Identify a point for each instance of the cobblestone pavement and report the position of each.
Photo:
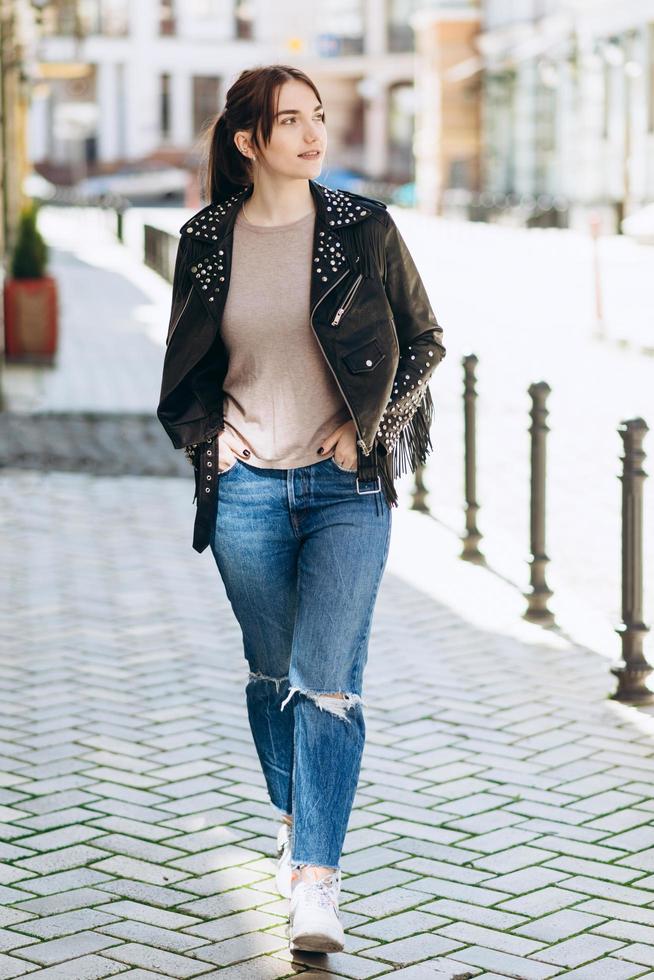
(503, 822)
(89, 442)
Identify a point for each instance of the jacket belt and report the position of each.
(368, 480)
(206, 492)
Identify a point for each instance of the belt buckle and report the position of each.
(376, 490)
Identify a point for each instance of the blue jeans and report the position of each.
(301, 555)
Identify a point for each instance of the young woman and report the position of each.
(300, 345)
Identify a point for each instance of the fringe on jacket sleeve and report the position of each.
(404, 428)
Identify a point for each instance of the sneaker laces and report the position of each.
(321, 893)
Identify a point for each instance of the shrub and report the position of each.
(30, 254)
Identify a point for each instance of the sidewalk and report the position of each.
(503, 822)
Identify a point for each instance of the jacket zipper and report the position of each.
(181, 312)
(347, 301)
(360, 441)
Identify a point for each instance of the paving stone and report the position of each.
(493, 918)
(559, 925)
(543, 900)
(66, 948)
(174, 942)
(578, 950)
(404, 952)
(170, 964)
(440, 869)
(507, 965)
(612, 969)
(239, 948)
(385, 903)
(637, 953)
(146, 913)
(11, 967)
(608, 890)
(139, 891)
(61, 860)
(263, 968)
(475, 894)
(65, 924)
(10, 940)
(85, 968)
(141, 974)
(343, 964)
(466, 932)
(399, 926)
(63, 881)
(440, 968)
(235, 924)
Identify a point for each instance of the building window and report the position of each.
(401, 125)
(81, 18)
(164, 107)
(341, 28)
(244, 20)
(166, 17)
(204, 9)
(60, 19)
(399, 30)
(206, 92)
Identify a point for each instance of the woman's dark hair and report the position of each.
(251, 103)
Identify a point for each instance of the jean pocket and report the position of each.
(229, 468)
(342, 469)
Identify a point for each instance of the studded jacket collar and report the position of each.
(369, 312)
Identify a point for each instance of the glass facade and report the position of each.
(81, 18)
(342, 28)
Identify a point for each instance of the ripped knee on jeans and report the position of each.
(336, 703)
(258, 676)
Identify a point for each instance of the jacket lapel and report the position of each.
(211, 229)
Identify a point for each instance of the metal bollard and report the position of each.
(419, 493)
(537, 610)
(634, 669)
(472, 536)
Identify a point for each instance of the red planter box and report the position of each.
(30, 307)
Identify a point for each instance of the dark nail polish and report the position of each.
(321, 450)
(246, 452)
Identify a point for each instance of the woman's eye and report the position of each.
(292, 119)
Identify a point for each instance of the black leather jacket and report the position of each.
(370, 314)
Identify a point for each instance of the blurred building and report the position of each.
(16, 40)
(568, 101)
(127, 81)
(448, 140)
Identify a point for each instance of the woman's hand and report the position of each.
(229, 451)
(344, 441)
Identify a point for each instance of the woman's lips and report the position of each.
(310, 154)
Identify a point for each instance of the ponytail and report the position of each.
(227, 170)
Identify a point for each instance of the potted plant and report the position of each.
(30, 296)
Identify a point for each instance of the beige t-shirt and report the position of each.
(281, 398)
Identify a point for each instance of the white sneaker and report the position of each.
(314, 922)
(283, 876)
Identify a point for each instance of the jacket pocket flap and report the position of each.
(365, 358)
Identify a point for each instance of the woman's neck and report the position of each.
(278, 203)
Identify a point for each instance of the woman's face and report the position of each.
(298, 128)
